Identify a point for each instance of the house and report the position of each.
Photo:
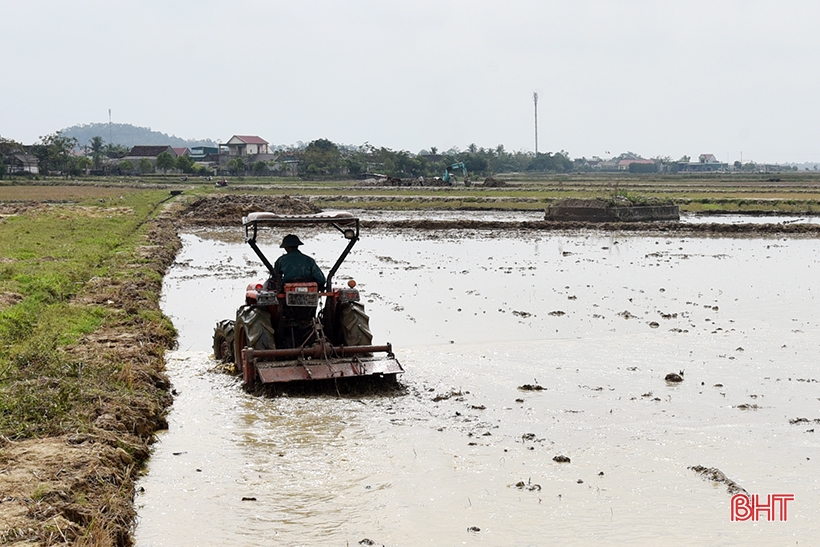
(623, 165)
(23, 163)
(245, 145)
(204, 153)
(182, 151)
(706, 163)
(150, 152)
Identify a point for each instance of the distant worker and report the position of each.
(295, 266)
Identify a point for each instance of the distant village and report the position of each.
(244, 155)
(252, 151)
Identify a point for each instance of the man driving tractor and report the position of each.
(282, 332)
(296, 266)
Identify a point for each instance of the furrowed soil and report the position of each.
(76, 486)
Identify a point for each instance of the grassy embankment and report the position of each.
(81, 345)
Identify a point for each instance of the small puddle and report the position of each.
(466, 457)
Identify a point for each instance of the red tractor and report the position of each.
(282, 334)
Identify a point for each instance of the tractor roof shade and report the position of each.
(274, 219)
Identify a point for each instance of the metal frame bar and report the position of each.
(339, 224)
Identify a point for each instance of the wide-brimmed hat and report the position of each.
(290, 240)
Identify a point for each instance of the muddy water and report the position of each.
(597, 320)
(538, 215)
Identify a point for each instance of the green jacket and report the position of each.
(295, 266)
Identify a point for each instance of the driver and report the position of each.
(295, 266)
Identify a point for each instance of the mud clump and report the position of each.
(674, 378)
(796, 421)
(449, 395)
(561, 459)
(228, 209)
(747, 406)
(8, 299)
(521, 485)
(716, 475)
(490, 182)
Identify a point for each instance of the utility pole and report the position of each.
(535, 103)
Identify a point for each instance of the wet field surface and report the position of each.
(534, 216)
(463, 455)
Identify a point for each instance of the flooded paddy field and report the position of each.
(535, 216)
(466, 453)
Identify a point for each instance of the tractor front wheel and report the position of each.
(224, 341)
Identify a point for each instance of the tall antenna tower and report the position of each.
(535, 103)
(110, 138)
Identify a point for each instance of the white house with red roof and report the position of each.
(246, 145)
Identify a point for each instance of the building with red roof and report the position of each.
(246, 145)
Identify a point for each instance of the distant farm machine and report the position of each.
(447, 177)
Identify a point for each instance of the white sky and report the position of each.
(654, 77)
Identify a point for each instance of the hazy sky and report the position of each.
(650, 76)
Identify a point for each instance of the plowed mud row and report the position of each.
(227, 210)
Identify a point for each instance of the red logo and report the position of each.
(774, 507)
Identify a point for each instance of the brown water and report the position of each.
(597, 320)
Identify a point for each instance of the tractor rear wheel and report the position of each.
(355, 324)
(253, 329)
(223, 341)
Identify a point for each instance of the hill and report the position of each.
(128, 135)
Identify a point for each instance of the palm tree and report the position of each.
(97, 147)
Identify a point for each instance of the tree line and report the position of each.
(321, 158)
(318, 159)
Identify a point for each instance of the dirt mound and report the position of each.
(490, 182)
(384, 180)
(9, 299)
(69, 503)
(8, 209)
(228, 209)
(716, 475)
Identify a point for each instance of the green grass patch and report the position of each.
(49, 256)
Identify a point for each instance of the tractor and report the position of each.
(284, 333)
